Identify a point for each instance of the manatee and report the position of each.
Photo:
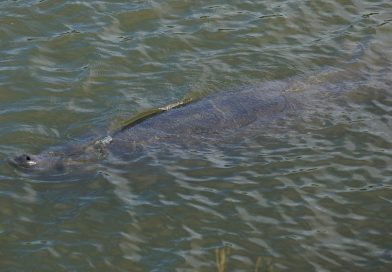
(204, 119)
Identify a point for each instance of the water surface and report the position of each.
(309, 192)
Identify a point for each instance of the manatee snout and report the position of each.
(25, 161)
(45, 161)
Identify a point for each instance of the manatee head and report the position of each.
(65, 158)
(41, 162)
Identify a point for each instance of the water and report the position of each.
(310, 192)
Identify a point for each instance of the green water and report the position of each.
(310, 192)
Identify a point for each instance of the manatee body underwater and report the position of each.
(202, 120)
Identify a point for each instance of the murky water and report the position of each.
(310, 191)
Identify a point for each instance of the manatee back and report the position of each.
(214, 114)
